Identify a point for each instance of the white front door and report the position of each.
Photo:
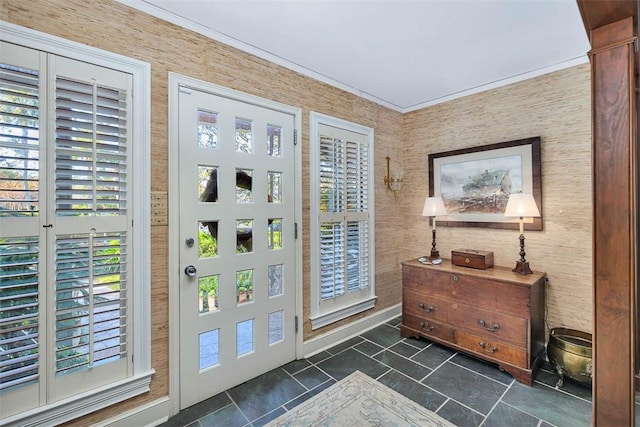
(237, 237)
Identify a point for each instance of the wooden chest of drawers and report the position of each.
(494, 314)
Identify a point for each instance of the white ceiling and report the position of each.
(399, 53)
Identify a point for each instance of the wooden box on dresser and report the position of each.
(494, 314)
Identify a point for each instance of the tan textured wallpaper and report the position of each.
(556, 107)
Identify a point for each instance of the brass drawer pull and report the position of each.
(428, 308)
(455, 277)
(426, 325)
(487, 346)
(492, 328)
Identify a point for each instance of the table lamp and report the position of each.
(434, 206)
(522, 205)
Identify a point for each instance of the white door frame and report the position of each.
(175, 82)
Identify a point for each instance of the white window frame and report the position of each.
(139, 382)
(321, 317)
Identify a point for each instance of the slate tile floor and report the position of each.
(461, 389)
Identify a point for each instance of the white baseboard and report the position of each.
(147, 415)
(343, 333)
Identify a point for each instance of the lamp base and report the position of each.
(522, 267)
(435, 254)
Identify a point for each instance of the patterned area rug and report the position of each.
(359, 400)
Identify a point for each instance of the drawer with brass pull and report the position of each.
(424, 306)
(491, 347)
(477, 320)
(428, 328)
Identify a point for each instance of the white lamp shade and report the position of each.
(522, 205)
(433, 206)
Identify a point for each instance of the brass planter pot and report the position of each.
(569, 352)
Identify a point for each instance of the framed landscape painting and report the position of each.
(475, 183)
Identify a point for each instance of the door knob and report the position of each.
(190, 270)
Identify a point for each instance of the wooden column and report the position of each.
(612, 61)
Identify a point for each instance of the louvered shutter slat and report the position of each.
(91, 155)
(90, 316)
(19, 141)
(19, 303)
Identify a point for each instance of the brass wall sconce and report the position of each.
(522, 205)
(393, 181)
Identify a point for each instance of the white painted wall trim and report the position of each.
(150, 414)
(79, 405)
(334, 316)
(343, 333)
(158, 12)
(499, 83)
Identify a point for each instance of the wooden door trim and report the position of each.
(612, 60)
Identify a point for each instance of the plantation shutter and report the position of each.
(19, 136)
(91, 149)
(21, 327)
(91, 220)
(343, 182)
(67, 287)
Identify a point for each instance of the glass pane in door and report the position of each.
(244, 186)
(244, 337)
(274, 187)
(208, 293)
(207, 129)
(207, 184)
(209, 350)
(207, 239)
(244, 236)
(275, 327)
(275, 280)
(274, 233)
(274, 140)
(244, 286)
(244, 137)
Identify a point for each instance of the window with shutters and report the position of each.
(69, 258)
(342, 219)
